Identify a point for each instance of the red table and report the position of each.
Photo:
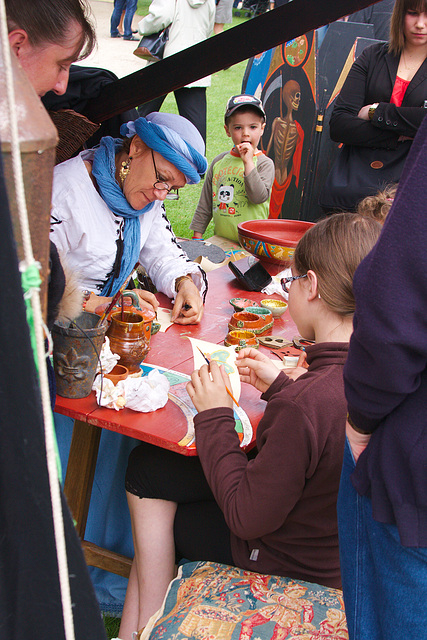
(164, 427)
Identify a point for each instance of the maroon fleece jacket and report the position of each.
(281, 506)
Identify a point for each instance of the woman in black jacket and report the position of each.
(381, 105)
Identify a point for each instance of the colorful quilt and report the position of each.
(210, 601)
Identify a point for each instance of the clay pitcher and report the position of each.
(129, 335)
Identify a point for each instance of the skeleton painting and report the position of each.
(288, 96)
(286, 141)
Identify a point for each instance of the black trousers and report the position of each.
(200, 530)
(191, 105)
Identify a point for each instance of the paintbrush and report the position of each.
(226, 388)
(112, 303)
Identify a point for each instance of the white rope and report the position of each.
(58, 523)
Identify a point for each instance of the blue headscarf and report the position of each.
(173, 137)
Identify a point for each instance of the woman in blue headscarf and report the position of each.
(107, 215)
(107, 212)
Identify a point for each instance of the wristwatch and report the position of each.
(371, 110)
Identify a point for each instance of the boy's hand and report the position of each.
(256, 369)
(245, 151)
(207, 388)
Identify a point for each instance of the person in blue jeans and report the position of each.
(129, 7)
(382, 502)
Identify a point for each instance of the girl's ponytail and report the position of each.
(333, 249)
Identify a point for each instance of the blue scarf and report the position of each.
(173, 148)
(104, 172)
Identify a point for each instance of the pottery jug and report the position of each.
(132, 305)
(129, 335)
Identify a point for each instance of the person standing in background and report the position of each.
(129, 7)
(189, 22)
(223, 15)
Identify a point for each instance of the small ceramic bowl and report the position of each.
(119, 372)
(241, 339)
(277, 307)
(265, 314)
(251, 321)
(240, 304)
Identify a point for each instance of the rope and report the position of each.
(28, 268)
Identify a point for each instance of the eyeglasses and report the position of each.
(160, 185)
(172, 194)
(285, 282)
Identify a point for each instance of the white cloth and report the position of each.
(275, 286)
(85, 230)
(191, 22)
(145, 394)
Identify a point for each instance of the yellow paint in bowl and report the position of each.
(277, 307)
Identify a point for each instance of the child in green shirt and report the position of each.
(238, 182)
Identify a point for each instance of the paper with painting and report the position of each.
(222, 355)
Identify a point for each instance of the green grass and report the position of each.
(224, 84)
(111, 626)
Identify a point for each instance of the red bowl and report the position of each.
(272, 240)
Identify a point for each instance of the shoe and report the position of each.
(130, 38)
(134, 30)
(117, 35)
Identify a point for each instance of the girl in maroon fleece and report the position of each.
(276, 512)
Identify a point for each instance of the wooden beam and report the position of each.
(223, 50)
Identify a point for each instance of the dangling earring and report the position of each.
(124, 170)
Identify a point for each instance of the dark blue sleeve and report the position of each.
(388, 348)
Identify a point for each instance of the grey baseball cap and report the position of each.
(243, 100)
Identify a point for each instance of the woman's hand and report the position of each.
(147, 299)
(207, 388)
(188, 307)
(256, 369)
(364, 112)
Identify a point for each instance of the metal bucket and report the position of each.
(76, 348)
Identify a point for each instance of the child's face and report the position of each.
(245, 127)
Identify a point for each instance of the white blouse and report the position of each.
(85, 230)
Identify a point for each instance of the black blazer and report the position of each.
(371, 79)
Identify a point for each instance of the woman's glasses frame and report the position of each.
(286, 282)
(160, 185)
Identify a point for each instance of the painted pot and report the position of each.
(272, 240)
(117, 373)
(130, 337)
(241, 339)
(131, 305)
(258, 322)
(265, 314)
(76, 348)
